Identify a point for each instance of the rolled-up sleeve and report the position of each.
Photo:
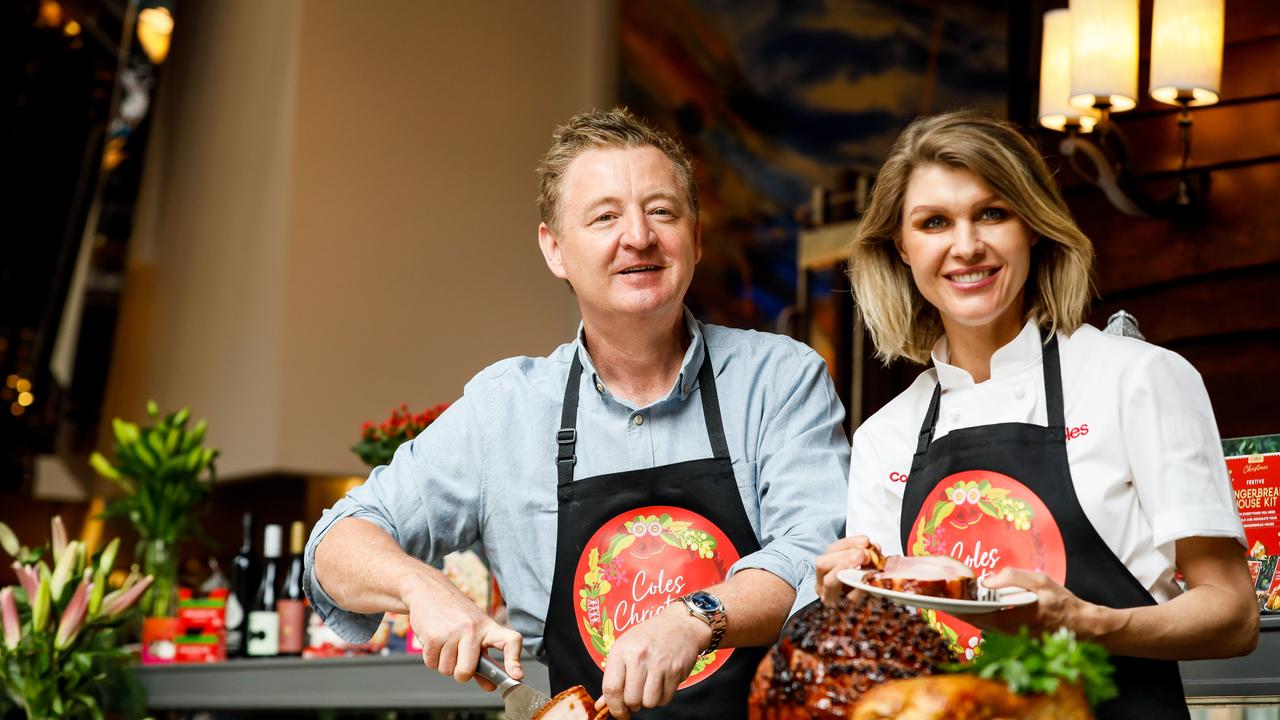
(1175, 452)
(428, 500)
(801, 476)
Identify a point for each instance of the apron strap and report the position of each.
(930, 420)
(1053, 385)
(711, 405)
(567, 435)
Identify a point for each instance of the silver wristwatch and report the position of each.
(708, 608)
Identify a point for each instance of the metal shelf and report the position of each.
(390, 682)
(1251, 679)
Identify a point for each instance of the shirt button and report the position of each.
(955, 415)
(599, 387)
(639, 420)
(1019, 392)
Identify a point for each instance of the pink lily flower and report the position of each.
(29, 578)
(73, 615)
(121, 600)
(59, 537)
(12, 626)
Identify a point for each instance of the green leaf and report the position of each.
(1038, 665)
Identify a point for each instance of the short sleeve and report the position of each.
(1175, 452)
(872, 507)
(428, 500)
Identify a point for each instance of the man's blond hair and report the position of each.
(1060, 284)
(603, 128)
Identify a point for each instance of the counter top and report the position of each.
(401, 682)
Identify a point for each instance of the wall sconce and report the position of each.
(1089, 70)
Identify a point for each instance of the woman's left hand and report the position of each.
(1057, 606)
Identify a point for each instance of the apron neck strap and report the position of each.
(567, 435)
(1052, 367)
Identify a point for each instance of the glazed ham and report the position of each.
(936, 576)
(829, 656)
(572, 704)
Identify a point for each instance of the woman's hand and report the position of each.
(850, 552)
(1055, 608)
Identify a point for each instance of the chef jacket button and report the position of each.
(639, 419)
(955, 415)
(599, 387)
(1019, 392)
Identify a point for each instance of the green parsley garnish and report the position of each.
(1036, 665)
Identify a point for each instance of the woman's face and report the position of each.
(969, 254)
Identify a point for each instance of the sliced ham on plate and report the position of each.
(935, 576)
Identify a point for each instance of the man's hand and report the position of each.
(453, 631)
(851, 552)
(648, 662)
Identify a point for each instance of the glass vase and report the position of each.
(160, 560)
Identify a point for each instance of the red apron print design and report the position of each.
(640, 561)
(988, 521)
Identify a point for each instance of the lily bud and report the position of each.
(9, 541)
(59, 536)
(12, 626)
(63, 570)
(108, 557)
(73, 615)
(99, 589)
(28, 578)
(40, 606)
(121, 600)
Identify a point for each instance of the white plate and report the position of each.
(1009, 597)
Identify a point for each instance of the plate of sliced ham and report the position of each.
(933, 583)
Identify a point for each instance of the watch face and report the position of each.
(705, 601)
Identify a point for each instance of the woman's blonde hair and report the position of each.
(1060, 286)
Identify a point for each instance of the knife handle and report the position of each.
(493, 672)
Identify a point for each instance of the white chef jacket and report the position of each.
(1142, 444)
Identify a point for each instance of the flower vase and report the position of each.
(160, 604)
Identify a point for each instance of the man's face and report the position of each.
(628, 239)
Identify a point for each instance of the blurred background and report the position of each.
(292, 216)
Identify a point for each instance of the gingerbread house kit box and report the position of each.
(1254, 466)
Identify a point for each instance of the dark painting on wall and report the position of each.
(773, 98)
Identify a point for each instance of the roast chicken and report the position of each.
(967, 697)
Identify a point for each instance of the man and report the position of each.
(653, 461)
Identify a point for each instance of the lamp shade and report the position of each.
(1056, 112)
(1186, 51)
(1104, 54)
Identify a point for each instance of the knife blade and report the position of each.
(519, 701)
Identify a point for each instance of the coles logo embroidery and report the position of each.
(988, 521)
(637, 563)
(897, 477)
(1078, 431)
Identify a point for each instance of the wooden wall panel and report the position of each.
(1208, 288)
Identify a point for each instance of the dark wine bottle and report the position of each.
(263, 633)
(292, 604)
(244, 584)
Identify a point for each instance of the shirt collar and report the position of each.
(688, 366)
(1020, 353)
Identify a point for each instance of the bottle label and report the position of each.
(291, 626)
(235, 624)
(263, 633)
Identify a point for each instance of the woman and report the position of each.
(1039, 451)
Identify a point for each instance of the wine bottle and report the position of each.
(263, 633)
(244, 584)
(292, 604)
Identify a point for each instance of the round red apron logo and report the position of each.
(637, 563)
(988, 521)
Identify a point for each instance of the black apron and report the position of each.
(593, 505)
(1037, 458)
